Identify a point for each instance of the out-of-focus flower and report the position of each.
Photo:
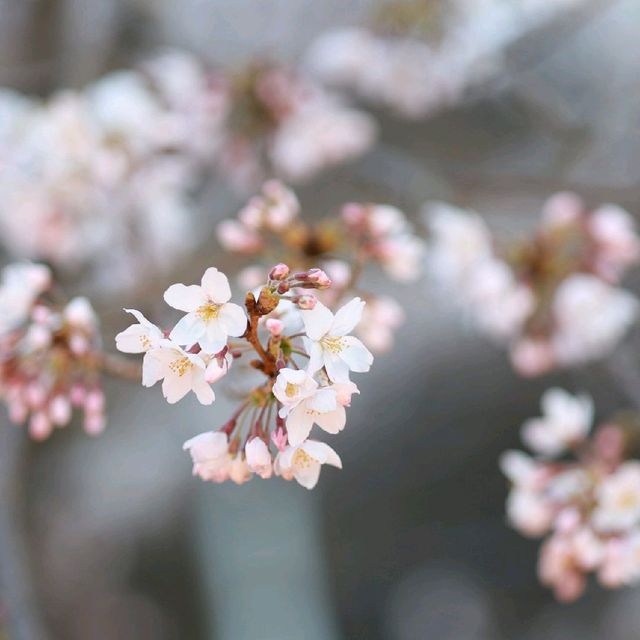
(588, 505)
(381, 318)
(210, 454)
(552, 299)
(565, 422)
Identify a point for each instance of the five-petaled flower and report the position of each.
(304, 462)
(210, 318)
(328, 344)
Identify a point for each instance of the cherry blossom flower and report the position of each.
(304, 462)
(211, 318)
(140, 337)
(21, 285)
(180, 371)
(258, 457)
(330, 346)
(210, 454)
(566, 421)
(619, 499)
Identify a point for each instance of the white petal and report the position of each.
(356, 355)
(332, 421)
(152, 369)
(337, 369)
(347, 318)
(317, 321)
(323, 400)
(316, 356)
(179, 296)
(203, 391)
(307, 476)
(322, 452)
(233, 319)
(188, 330)
(299, 424)
(131, 339)
(142, 320)
(216, 285)
(215, 337)
(176, 387)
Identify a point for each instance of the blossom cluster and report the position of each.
(275, 120)
(587, 503)
(420, 56)
(303, 350)
(106, 175)
(50, 356)
(553, 299)
(363, 235)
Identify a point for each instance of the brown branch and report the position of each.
(119, 367)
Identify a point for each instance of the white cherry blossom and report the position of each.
(566, 420)
(619, 499)
(140, 337)
(210, 318)
(259, 457)
(180, 371)
(304, 462)
(328, 344)
(210, 454)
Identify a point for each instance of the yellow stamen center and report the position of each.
(302, 459)
(333, 344)
(291, 390)
(180, 366)
(208, 311)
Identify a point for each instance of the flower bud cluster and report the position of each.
(365, 234)
(587, 504)
(49, 355)
(304, 351)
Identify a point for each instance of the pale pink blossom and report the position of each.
(304, 462)
(180, 371)
(381, 318)
(259, 457)
(210, 454)
(619, 499)
(140, 337)
(329, 344)
(210, 318)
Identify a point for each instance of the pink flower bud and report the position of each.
(279, 438)
(259, 457)
(94, 423)
(275, 326)
(77, 395)
(283, 287)
(279, 272)
(319, 278)
(94, 402)
(354, 214)
(60, 410)
(40, 426)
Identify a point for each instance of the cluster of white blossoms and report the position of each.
(103, 176)
(587, 504)
(364, 235)
(106, 176)
(421, 56)
(277, 121)
(50, 358)
(553, 299)
(303, 350)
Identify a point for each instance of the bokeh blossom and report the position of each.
(580, 492)
(553, 299)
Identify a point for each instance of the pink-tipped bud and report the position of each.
(77, 395)
(319, 278)
(94, 402)
(279, 272)
(306, 301)
(40, 426)
(275, 326)
(94, 423)
(283, 287)
(60, 410)
(279, 438)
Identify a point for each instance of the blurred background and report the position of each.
(111, 537)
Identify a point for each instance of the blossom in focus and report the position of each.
(304, 462)
(258, 457)
(180, 371)
(210, 318)
(140, 337)
(329, 345)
